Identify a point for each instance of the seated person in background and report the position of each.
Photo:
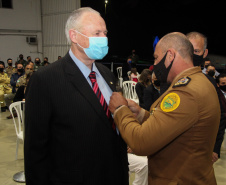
(143, 82)
(151, 93)
(13, 80)
(37, 64)
(10, 69)
(133, 75)
(31, 63)
(139, 166)
(4, 86)
(22, 80)
(210, 70)
(20, 94)
(126, 66)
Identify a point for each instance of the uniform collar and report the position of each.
(187, 72)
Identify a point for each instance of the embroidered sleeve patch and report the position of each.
(170, 102)
(182, 82)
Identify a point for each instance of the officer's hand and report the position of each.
(134, 107)
(214, 157)
(115, 101)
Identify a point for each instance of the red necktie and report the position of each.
(100, 96)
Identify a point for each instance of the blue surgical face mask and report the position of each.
(98, 47)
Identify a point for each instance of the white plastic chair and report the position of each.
(16, 107)
(120, 81)
(129, 90)
(119, 72)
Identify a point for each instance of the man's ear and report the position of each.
(205, 53)
(171, 54)
(72, 35)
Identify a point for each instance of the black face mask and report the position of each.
(157, 83)
(223, 87)
(1, 70)
(206, 66)
(211, 73)
(20, 70)
(197, 59)
(21, 58)
(160, 70)
(10, 64)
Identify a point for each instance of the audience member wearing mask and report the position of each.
(10, 69)
(207, 62)
(20, 93)
(4, 85)
(37, 64)
(152, 92)
(21, 60)
(28, 59)
(221, 83)
(211, 70)
(199, 42)
(13, 80)
(22, 79)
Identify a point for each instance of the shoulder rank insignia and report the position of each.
(182, 82)
(170, 102)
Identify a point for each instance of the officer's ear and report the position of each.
(73, 36)
(171, 53)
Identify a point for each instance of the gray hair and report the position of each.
(195, 34)
(73, 21)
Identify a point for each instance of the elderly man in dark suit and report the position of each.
(70, 136)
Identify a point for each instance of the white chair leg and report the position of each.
(17, 143)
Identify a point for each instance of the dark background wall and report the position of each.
(133, 24)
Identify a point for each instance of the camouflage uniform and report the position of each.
(21, 81)
(10, 70)
(4, 87)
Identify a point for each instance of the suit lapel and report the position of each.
(75, 76)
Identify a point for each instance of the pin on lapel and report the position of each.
(111, 83)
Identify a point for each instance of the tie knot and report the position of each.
(92, 76)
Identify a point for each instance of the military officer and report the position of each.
(179, 132)
(10, 69)
(22, 80)
(4, 88)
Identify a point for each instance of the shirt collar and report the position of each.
(83, 68)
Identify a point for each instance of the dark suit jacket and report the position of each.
(68, 138)
(222, 126)
(150, 96)
(221, 131)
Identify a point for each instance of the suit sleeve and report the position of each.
(158, 129)
(12, 81)
(37, 127)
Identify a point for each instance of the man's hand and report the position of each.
(115, 101)
(214, 157)
(134, 107)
